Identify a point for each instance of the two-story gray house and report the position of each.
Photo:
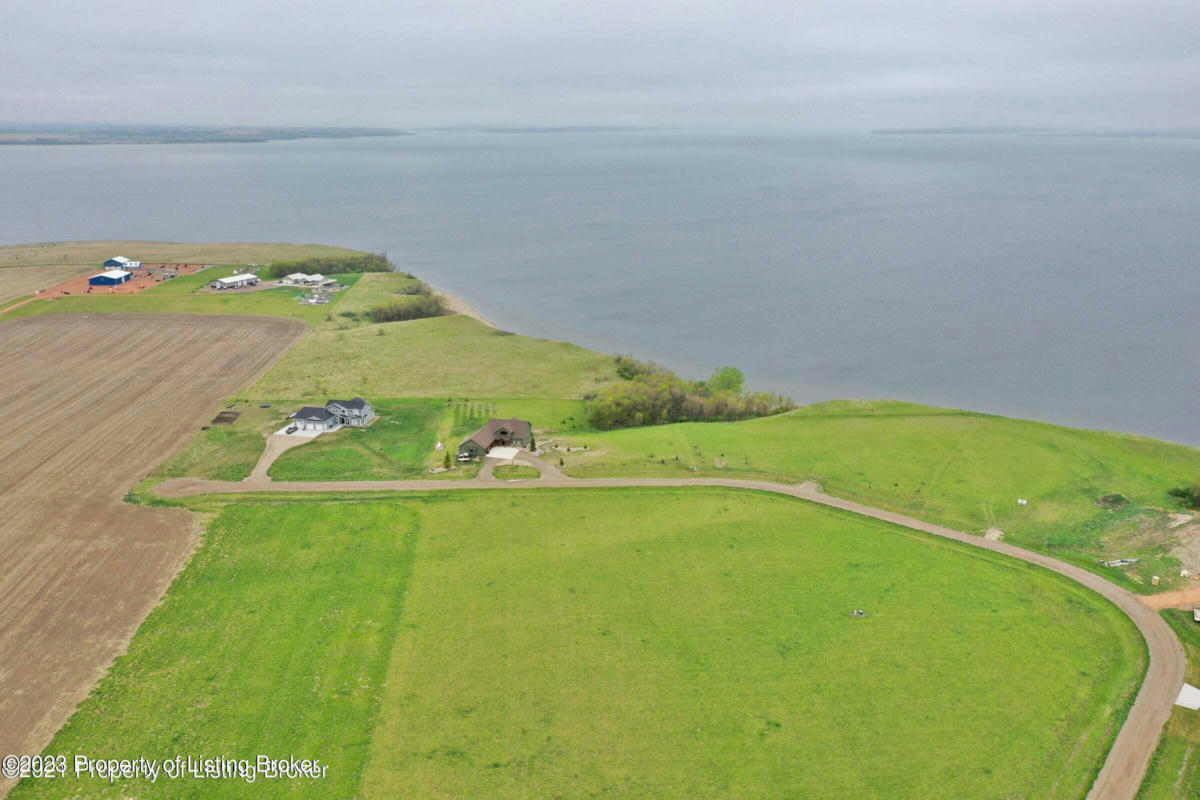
(334, 414)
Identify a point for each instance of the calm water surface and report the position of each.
(1045, 277)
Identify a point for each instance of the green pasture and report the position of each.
(452, 356)
(620, 643)
(960, 469)
(372, 289)
(274, 640)
(700, 644)
(269, 302)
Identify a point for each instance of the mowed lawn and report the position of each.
(961, 469)
(398, 444)
(624, 643)
(439, 357)
(274, 640)
(700, 644)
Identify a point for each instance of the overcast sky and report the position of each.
(408, 63)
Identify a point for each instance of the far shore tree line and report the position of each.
(649, 394)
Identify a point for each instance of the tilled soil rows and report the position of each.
(91, 404)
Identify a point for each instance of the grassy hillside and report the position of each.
(635, 643)
(440, 357)
(372, 289)
(964, 470)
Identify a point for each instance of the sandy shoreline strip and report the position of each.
(458, 305)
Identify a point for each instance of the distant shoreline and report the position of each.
(65, 135)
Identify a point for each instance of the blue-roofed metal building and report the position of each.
(112, 277)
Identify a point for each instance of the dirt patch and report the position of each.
(225, 418)
(113, 396)
(1112, 501)
(1187, 548)
(994, 534)
(140, 280)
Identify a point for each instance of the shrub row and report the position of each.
(412, 307)
(652, 395)
(330, 265)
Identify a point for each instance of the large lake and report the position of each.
(1045, 277)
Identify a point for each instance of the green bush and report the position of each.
(652, 395)
(414, 307)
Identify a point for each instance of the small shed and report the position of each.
(112, 277)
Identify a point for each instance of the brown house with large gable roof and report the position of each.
(496, 433)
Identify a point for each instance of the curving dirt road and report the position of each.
(1123, 770)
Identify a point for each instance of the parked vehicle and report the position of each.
(464, 456)
(291, 429)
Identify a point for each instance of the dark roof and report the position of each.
(487, 434)
(357, 402)
(313, 412)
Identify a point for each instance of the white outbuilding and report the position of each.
(235, 281)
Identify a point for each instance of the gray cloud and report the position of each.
(852, 63)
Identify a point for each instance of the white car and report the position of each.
(464, 456)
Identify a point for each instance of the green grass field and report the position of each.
(1174, 772)
(274, 640)
(374, 288)
(228, 452)
(398, 444)
(454, 356)
(515, 472)
(625, 643)
(960, 469)
(271, 303)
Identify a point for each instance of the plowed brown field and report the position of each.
(91, 403)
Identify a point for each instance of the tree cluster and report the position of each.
(330, 265)
(417, 306)
(652, 395)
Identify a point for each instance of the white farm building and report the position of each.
(303, 279)
(235, 281)
(121, 262)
